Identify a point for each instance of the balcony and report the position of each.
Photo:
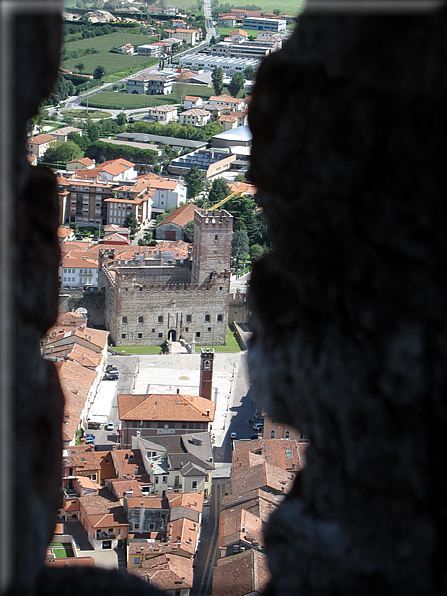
(105, 535)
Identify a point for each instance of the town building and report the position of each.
(37, 146)
(171, 228)
(192, 101)
(163, 114)
(150, 49)
(229, 66)
(195, 116)
(264, 24)
(147, 84)
(190, 36)
(211, 163)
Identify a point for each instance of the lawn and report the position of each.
(61, 550)
(118, 64)
(91, 113)
(232, 346)
(117, 100)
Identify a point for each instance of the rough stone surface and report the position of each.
(348, 125)
(38, 397)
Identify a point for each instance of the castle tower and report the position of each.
(212, 244)
(206, 373)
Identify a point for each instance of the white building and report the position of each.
(195, 116)
(229, 66)
(167, 194)
(163, 114)
(264, 24)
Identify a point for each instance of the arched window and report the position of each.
(188, 318)
(207, 365)
(287, 435)
(160, 319)
(272, 434)
(219, 318)
(207, 318)
(124, 320)
(140, 320)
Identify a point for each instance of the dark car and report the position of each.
(254, 436)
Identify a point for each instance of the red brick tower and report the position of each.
(206, 373)
(212, 244)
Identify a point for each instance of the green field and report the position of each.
(91, 113)
(118, 65)
(128, 101)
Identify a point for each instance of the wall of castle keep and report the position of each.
(212, 243)
(150, 315)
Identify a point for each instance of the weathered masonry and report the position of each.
(148, 301)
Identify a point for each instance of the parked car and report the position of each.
(258, 426)
(254, 436)
(233, 435)
(110, 426)
(89, 439)
(111, 376)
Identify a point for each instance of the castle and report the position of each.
(149, 300)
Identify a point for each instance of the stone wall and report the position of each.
(348, 125)
(92, 300)
(238, 310)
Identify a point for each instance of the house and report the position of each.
(37, 146)
(155, 414)
(227, 20)
(171, 228)
(191, 101)
(248, 190)
(150, 49)
(195, 116)
(286, 454)
(128, 48)
(245, 574)
(178, 462)
(190, 36)
(65, 235)
(77, 270)
(163, 114)
(228, 122)
(239, 530)
(279, 430)
(238, 35)
(116, 170)
(118, 208)
(178, 23)
(80, 164)
(234, 102)
(104, 520)
(166, 193)
(147, 84)
(115, 234)
(169, 573)
(61, 134)
(146, 514)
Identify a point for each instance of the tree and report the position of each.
(188, 231)
(80, 67)
(130, 221)
(249, 73)
(277, 12)
(62, 152)
(194, 182)
(217, 80)
(237, 83)
(219, 191)
(99, 72)
(256, 251)
(121, 119)
(239, 246)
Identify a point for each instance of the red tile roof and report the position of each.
(190, 408)
(245, 573)
(180, 216)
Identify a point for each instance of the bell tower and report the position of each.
(206, 373)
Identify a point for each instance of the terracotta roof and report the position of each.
(286, 454)
(237, 525)
(195, 112)
(249, 189)
(77, 353)
(83, 458)
(113, 228)
(85, 161)
(180, 216)
(258, 502)
(71, 562)
(241, 574)
(263, 476)
(79, 262)
(41, 139)
(238, 32)
(149, 502)
(191, 97)
(66, 319)
(107, 467)
(184, 533)
(225, 99)
(64, 232)
(225, 118)
(165, 407)
(167, 572)
(95, 337)
(128, 463)
(190, 500)
(103, 510)
(121, 486)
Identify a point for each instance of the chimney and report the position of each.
(206, 373)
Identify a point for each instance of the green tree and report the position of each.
(249, 73)
(130, 221)
(188, 231)
(80, 67)
(256, 251)
(121, 119)
(99, 72)
(217, 80)
(194, 182)
(76, 138)
(237, 83)
(239, 246)
(219, 191)
(62, 152)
